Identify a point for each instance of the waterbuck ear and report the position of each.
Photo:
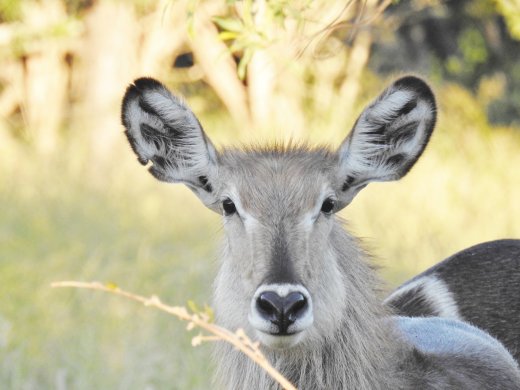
(388, 137)
(163, 130)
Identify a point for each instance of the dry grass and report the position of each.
(200, 319)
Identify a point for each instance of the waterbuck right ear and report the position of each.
(163, 130)
(388, 137)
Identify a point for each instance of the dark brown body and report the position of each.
(484, 283)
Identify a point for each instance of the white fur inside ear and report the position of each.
(388, 137)
(385, 110)
(172, 111)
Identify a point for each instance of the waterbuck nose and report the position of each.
(281, 311)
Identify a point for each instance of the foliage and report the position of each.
(9, 10)
(510, 9)
(463, 41)
(247, 34)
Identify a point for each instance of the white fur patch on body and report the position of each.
(435, 291)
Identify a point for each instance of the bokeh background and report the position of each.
(74, 203)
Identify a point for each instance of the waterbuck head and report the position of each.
(289, 271)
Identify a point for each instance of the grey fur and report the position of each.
(484, 282)
(275, 232)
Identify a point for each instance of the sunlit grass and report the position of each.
(59, 230)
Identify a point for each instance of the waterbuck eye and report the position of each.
(328, 206)
(228, 206)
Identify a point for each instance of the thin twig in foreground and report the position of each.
(238, 339)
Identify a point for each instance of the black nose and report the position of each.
(281, 311)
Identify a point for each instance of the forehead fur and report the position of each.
(288, 177)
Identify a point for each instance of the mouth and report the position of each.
(278, 340)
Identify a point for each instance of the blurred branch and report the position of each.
(344, 19)
(510, 9)
(260, 58)
(219, 67)
(276, 43)
(357, 60)
(202, 320)
(35, 51)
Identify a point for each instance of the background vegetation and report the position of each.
(76, 205)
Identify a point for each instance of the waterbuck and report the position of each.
(480, 285)
(290, 274)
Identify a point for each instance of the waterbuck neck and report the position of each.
(363, 351)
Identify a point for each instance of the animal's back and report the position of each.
(480, 285)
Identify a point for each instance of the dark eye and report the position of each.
(228, 206)
(328, 206)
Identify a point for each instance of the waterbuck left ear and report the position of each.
(388, 137)
(162, 130)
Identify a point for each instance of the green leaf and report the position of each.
(228, 35)
(228, 24)
(210, 313)
(193, 307)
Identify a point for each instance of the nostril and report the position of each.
(270, 304)
(282, 311)
(295, 305)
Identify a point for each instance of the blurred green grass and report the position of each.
(56, 228)
(65, 219)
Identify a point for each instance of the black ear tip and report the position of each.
(131, 94)
(138, 86)
(145, 83)
(411, 81)
(134, 91)
(416, 84)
